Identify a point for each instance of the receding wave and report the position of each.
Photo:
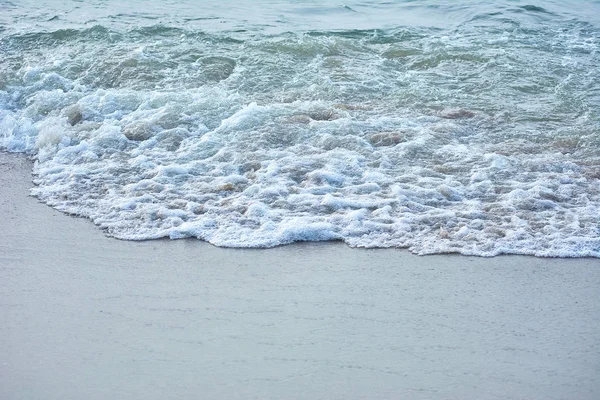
(480, 138)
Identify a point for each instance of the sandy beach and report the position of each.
(86, 316)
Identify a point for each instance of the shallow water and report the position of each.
(436, 126)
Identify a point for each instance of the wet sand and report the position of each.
(84, 316)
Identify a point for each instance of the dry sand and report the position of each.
(84, 316)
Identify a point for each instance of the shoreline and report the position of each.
(23, 165)
(96, 317)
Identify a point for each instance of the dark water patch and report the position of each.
(220, 39)
(499, 20)
(44, 40)
(217, 68)
(193, 19)
(134, 16)
(535, 9)
(348, 34)
(157, 30)
(400, 53)
(435, 60)
(376, 36)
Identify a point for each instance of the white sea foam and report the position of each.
(287, 138)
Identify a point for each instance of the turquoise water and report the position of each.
(437, 126)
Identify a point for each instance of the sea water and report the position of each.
(438, 126)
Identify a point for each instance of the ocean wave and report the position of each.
(476, 139)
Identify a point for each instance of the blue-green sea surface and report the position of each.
(439, 126)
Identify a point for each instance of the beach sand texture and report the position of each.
(86, 316)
